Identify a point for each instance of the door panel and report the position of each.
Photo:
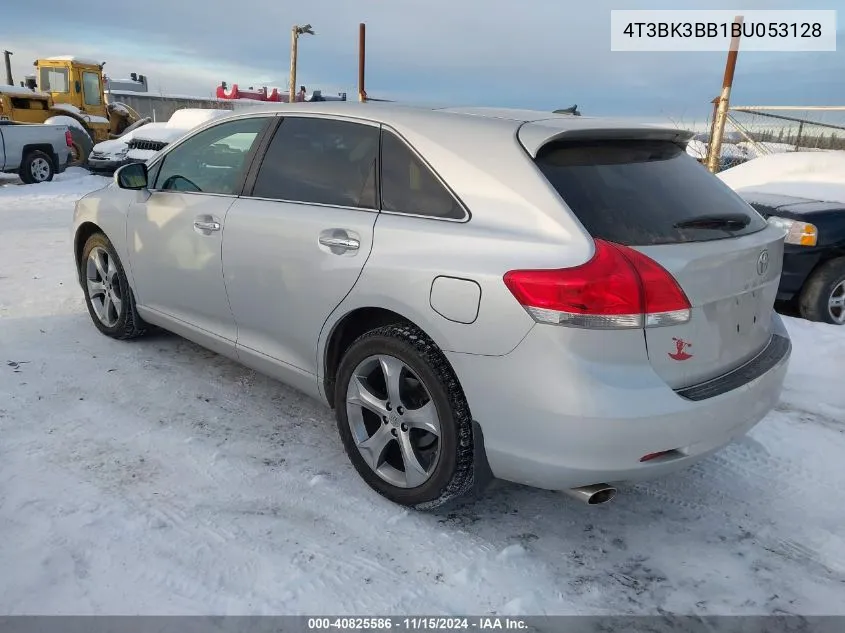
(176, 265)
(175, 235)
(293, 251)
(287, 266)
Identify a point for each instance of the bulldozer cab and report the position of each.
(73, 81)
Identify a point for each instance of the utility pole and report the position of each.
(8, 56)
(296, 31)
(714, 152)
(362, 38)
(715, 103)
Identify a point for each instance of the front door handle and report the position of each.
(345, 243)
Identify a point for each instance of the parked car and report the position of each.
(141, 144)
(563, 302)
(107, 156)
(813, 277)
(36, 152)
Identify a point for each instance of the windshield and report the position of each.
(640, 192)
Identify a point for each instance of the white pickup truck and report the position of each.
(36, 152)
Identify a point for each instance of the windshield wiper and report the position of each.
(726, 221)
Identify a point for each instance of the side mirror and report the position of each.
(132, 176)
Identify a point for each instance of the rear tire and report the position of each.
(823, 296)
(450, 472)
(108, 296)
(37, 166)
(82, 146)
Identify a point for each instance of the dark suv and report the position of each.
(813, 278)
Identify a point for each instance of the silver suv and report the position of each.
(564, 302)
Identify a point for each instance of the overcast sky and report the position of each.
(532, 53)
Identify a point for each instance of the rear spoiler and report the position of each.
(534, 135)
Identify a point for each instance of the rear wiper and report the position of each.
(726, 221)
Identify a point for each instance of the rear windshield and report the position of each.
(638, 192)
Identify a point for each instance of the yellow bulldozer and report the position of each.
(68, 90)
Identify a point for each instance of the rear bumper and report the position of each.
(61, 166)
(555, 416)
(798, 263)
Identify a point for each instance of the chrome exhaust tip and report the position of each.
(592, 495)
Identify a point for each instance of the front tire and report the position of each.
(403, 418)
(37, 166)
(109, 298)
(823, 296)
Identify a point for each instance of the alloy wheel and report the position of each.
(40, 169)
(104, 288)
(836, 303)
(393, 420)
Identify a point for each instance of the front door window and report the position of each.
(213, 161)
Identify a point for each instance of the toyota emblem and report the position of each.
(763, 263)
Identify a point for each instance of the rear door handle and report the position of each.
(345, 243)
(206, 225)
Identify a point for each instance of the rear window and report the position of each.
(638, 192)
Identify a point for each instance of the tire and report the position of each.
(82, 146)
(450, 475)
(37, 166)
(119, 321)
(824, 288)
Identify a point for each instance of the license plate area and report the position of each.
(748, 312)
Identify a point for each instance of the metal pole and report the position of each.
(715, 103)
(8, 56)
(798, 138)
(362, 39)
(715, 149)
(294, 37)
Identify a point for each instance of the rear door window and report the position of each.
(644, 192)
(322, 161)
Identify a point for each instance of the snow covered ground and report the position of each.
(153, 477)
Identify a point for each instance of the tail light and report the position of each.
(68, 138)
(618, 288)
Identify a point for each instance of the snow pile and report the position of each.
(817, 175)
(755, 150)
(66, 120)
(76, 59)
(67, 107)
(72, 109)
(730, 151)
(189, 118)
(20, 90)
(163, 132)
(697, 149)
(65, 188)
